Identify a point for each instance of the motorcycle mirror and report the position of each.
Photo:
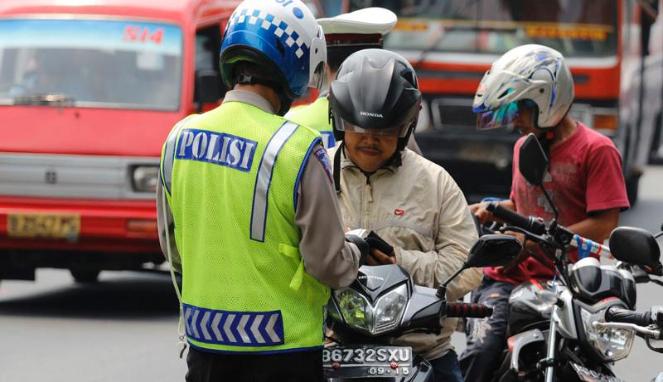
(532, 162)
(493, 251)
(489, 251)
(635, 246)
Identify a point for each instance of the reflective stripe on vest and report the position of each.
(168, 157)
(234, 328)
(264, 178)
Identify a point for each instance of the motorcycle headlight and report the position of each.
(612, 343)
(389, 310)
(354, 308)
(385, 315)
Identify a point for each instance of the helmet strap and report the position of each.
(336, 171)
(402, 142)
(546, 139)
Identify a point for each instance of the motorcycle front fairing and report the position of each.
(362, 342)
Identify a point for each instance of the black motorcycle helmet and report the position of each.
(375, 89)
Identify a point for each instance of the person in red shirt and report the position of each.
(530, 88)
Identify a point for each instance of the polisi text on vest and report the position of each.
(216, 148)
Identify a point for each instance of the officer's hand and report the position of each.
(362, 245)
(482, 214)
(378, 257)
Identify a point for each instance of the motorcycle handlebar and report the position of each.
(462, 309)
(616, 314)
(537, 227)
(529, 224)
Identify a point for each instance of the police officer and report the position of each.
(345, 34)
(249, 200)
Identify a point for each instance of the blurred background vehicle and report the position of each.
(452, 43)
(88, 93)
(652, 104)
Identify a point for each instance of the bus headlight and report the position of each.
(144, 178)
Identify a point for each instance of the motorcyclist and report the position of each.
(345, 34)
(530, 88)
(410, 202)
(245, 197)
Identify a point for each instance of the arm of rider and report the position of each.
(455, 234)
(598, 225)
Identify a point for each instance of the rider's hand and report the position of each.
(528, 245)
(378, 257)
(482, 214)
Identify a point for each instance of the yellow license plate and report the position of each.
(44, 225)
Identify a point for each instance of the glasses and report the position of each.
(398, 131)
(503, 116)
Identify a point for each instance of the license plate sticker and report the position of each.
(55, 226)
(356, 361)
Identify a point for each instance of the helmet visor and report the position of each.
(397, 131)
(503, 116)
(506, 116)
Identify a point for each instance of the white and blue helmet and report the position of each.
(535, 74)
(282, 32)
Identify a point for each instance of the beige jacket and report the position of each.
(418, 209)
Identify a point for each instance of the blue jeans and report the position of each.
(446, 368)
(486, 337)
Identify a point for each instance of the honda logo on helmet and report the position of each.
(374, 115)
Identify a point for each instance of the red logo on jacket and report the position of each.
(399, 212)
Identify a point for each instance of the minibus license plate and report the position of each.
(56, 226)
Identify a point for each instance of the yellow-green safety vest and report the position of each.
(316, 116)
(231, 178)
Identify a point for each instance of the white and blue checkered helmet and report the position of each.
(282, 31)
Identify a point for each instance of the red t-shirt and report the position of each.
(585, 176)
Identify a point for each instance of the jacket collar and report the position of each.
(250, 98)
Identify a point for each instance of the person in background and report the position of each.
(530, 88)
(410, 202)
(345, 34)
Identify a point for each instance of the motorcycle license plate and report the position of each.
(55, 226)
(588, 375)
(366, 361)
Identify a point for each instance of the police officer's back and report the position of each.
(256, 226)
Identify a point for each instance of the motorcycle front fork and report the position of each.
(549, 362)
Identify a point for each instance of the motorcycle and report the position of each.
(566, 329)
(383, 303)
